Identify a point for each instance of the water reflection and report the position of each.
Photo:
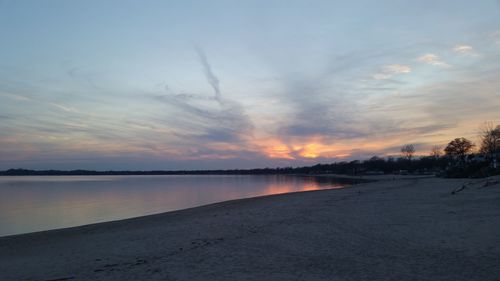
(30, 204)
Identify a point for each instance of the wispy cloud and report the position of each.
(495, 36)
(18, 97)
(463, 49)
(64, 107)
(210, 125)
(432, 59)
(329, 121)
(207, 69)
(14, 96)
(389, 71)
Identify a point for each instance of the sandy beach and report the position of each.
(392, 229)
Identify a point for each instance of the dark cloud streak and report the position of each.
(209, 74)
(201, 120)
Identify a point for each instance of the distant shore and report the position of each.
(403, 228)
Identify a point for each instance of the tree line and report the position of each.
(460, 159)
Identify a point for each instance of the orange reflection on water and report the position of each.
(287, 186)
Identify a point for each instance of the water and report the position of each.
(29, 204)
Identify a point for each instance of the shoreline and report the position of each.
(388, 229)
(339, 182)
(233, 201)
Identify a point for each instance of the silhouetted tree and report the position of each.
(458, 149)
(436, 152)
(407, 151)
(490, 142)
(375, 164)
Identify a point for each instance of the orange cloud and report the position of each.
(312, 147)
(274, 148)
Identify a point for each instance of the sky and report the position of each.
(173, 85)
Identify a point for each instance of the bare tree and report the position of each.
(490, 141)
(436, 152)
(459, 148)
(407, 151)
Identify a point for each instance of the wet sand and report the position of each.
(393, 229)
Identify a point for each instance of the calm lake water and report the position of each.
(29, 204)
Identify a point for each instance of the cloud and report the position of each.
(314, 109)
(64, 107)
(207, 69)
(390, 70)
(495, 36)
(27, 99)
(14, 96)
(207, 125)
(432, 59)
(324, 107)
(329, 122)
(463, 49)
(323, 113)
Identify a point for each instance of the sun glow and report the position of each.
(308, 148)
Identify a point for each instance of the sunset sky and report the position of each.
(240, 84)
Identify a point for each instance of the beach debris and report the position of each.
(490, 183)
(141, 261)
(481, 183)
(457, 190)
